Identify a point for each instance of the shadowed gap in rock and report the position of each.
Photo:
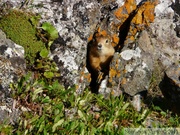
(124, 29)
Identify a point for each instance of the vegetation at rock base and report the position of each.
(49, 108)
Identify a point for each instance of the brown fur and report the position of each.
(99, 55)
(99, 59)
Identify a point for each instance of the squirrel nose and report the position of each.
(99, 46)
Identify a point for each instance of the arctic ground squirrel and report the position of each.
(99, 55)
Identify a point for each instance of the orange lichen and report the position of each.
(123, 12)
(145, 14)
(138, 19)
(124, 81)
(115, 40)
(120, 15)
(130, 5)
(140, 16)
(124, 71)
(88, 77)
(148, 13)
(143, 17)
(84, 76)
(112, 72)
(132, 38)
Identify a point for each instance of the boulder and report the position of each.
(12, 67)
(170, 85)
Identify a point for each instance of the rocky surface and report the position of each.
(12, 67)
(147, 46)
(170, 86)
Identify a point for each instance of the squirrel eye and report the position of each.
(107, 41)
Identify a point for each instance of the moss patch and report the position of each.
(18, 27)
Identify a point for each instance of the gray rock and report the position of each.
(9, 115)
(12, 67)
(175, 6)
(70, 49)
(170, 84)
(75, 21)
(162, 44)
(158, 49)
(11, 60)
(136, 76)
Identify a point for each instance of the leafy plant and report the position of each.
(20, 27)
(43, 64)
(48, 33)
(56, 110)
(60, 111)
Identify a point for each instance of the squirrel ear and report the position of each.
(111, 39)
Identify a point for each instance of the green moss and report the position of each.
(18, 27)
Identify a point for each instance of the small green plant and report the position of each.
(166, 117)
(17, 26)
(23, 28)
(52, 109)
(174, 121)
(48, 33)
(43, 64)
(55, 110)
(46, 68)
